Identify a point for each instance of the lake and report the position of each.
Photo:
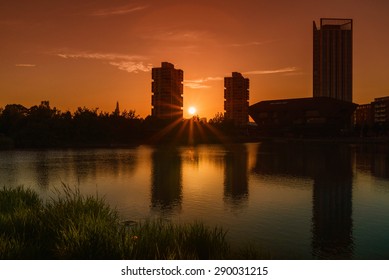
(290, 200)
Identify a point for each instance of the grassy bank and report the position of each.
(73, 226)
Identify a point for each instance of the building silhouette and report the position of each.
(236, 99)
(364, 114)
(329, 111)
(381, 110)
(372, 118)
(332, 59)
(167, 92)
(312, 117)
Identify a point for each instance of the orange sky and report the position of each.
(94, 53)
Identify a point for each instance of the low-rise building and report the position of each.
(319, 116)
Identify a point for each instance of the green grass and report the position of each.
(163, 240)
(73, 226)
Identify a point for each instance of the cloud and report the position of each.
(200, 83)
(275, 71)
(253, 43)
(101, 56)
(24, 65)
(132, 67)
(118, 11)
(172, 33)
(246, 44)
(195, 85)
(129, 63)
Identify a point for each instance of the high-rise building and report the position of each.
(332, 59)
(236, 99)
(167, 92)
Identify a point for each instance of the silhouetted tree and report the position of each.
(12, 118)
(217, 119)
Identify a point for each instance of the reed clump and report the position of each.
(74, 226)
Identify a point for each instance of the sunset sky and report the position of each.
(94, 53)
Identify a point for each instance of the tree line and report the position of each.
(42, 126)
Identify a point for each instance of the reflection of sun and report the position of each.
(192, 110)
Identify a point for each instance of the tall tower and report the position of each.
(332, 59)
(236, 99)
(167, 92)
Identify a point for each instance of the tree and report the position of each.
(217, 119)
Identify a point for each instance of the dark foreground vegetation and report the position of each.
(73, 226)
(45, 127)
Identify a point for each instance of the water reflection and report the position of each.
(166, 183)
(42, 169)
(330, 167)
(236, 187)
(373, 159)
(332, 204)
(8, 169)
(307, 200)
(284, 159)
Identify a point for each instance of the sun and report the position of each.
(192, 110)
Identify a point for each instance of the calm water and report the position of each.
(292, 200)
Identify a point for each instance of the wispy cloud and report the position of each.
(25, 65)
(174, 34)
(195, 85)
(132, 67)
(129, 63)
(101, 56)
(123, 10)
(274, 71)
(201, 83)
(252, 43)
(247, 44)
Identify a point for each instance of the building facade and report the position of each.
(332, 59)
(381, 110)
(320, 116)
(167, 92)
(363, 115)
(376, 112)
(236, 99)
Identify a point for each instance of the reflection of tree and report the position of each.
(8, 169)
(88, 164)
(166, 185)
(330, 165)
(235, 174)
(42, 170)
(284, 159)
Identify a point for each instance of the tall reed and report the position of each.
(74, 226)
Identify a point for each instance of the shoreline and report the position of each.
(334, 140)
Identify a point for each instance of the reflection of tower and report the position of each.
(166, 185)
(331, 168)
(167, 88)
(235, 174)
(332, 205)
